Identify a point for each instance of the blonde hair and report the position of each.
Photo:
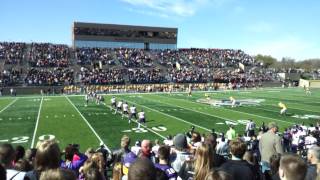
(99, 160)
(58, 174)
(47, 156)
(203, 161)
(125, 141)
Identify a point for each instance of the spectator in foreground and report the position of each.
(58, 174)
(200, 166)
(146, 148)
(236, 167)
(181, 152)
(73, 159)
(119, 154)
(274, 167)
(163, 165)
(19, 153)
(313, 159)
(218, 175)
(269, 144)
(47, 157)
(142, 169)
(292, 167)
(7, 155)
(91, 171)
(218, 160)
(3, 174)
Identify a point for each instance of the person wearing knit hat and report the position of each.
(180, 142)
(181, 153)
(269, 144)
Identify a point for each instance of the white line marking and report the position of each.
(85, 120)
(37, 123)
(9, 105)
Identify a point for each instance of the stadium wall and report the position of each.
(180, 87)
(309, 83)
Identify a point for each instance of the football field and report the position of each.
(26, 119)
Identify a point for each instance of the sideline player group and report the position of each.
(119, 107)
(123, 108)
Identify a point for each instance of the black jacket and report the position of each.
(239, 170)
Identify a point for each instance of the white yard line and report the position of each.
(171, 116)
(85, 120)
(9, 105)
(37, 123)
(142, 125)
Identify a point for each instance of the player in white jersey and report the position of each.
(125, 109)
(142, 118)
(86, 98)
(119, 107)
(307, 91)
(133, 113)
(233, 102)
(310, 140)
(190, 90)
(113, 103)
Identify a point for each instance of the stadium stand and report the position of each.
(49, 55)
(106, 66)
(12, 52)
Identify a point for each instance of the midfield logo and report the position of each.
(227, 102)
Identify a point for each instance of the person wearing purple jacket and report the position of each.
(73, 159)
(163, 165)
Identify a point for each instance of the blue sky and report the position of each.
(280, 28)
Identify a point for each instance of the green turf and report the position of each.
(69, 120)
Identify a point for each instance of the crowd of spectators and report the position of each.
(12, 52)
(143, 76)
(205, 58)
(98, 76)
(10, 77)
(137, 65)
(131, 58)
(265, 155)
(88, 56)
(170, 58)
(55, 76)
(49, 55)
